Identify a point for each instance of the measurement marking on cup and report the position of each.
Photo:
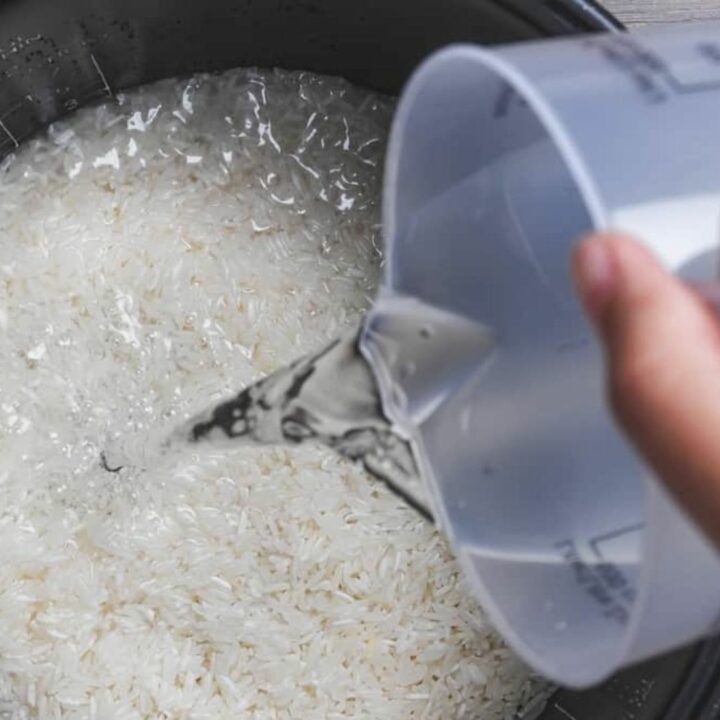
(602, 582)
(9, 134)
(653, 76)
(102, 76)
(598, 539)
(709, 51)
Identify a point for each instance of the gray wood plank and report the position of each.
(641, 12)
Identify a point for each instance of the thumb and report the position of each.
(662, 346)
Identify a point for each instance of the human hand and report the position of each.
(662, 345)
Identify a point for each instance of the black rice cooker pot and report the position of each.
(57, 56)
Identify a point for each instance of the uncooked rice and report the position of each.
(157, 252)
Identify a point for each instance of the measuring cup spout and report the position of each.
(421, 355)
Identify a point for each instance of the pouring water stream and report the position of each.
(335, 396)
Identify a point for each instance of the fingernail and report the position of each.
(594, 273)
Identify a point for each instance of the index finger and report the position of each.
(663, 359)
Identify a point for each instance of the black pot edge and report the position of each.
(683, 685)
(596, 13)
(563, 16)
(679, 686)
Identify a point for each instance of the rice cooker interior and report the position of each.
(56, 57)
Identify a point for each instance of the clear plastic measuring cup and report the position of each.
(499, 160)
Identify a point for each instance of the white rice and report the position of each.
(156, 253)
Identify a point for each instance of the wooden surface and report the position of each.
(640, 12)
